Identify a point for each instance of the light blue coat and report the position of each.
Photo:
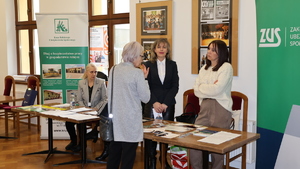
(129, 89)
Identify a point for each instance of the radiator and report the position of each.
(251, 147)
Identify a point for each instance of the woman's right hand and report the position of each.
(157, 107)
(145, 70)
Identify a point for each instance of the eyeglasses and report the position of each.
(93, 72)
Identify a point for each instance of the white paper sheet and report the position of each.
(80, 109)
(219, 137)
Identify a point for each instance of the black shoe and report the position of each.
(70, 146)
(104, 154)
(93, 135)
(77, 148)
(102, 157)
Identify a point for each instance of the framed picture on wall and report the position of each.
(214, 10)
(214, 31)
(154, 20)
(214, 20)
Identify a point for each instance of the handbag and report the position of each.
(106, 123)
(187, 117)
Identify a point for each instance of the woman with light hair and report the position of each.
(89, 86)
(127, 88)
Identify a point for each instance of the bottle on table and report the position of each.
(72, 101)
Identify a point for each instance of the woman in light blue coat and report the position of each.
(130, 88)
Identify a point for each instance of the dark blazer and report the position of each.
(164, 93)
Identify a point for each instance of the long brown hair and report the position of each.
(221, 50)
(153, 56)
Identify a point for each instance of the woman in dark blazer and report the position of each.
(91, 93)
(164, 83)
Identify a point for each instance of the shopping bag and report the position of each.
(179, 158)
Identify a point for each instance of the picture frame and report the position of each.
(213, 31)
(154, 20)
(221, 12)
(143, 34)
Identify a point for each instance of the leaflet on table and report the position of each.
(82, 109)
(204, 132)
(69, 114)
(39, 108)
(219, 137)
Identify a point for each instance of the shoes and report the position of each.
(93, 135)
(105, 152)
(70, 146)
(76, 148)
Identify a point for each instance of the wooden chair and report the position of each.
(9, 90)
(33, 83)
(240, 102)
(189, 97)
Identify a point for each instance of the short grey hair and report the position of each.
(131, 51)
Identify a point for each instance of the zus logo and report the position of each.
(267, 37)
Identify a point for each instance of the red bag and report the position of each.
(179, 158)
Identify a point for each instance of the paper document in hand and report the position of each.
(157, 115)
(219, 137)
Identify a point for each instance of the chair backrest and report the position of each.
(189, 97)
(238, 100)
(34, 83)
(102, 75)
(9, 83)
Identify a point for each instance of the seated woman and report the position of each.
(91, 93)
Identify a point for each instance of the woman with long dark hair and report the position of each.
(213, 87)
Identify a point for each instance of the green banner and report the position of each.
(278, 115)
(63, 42)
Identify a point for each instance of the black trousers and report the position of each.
(121, 153)
(72, 132)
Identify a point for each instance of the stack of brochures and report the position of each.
(204, 133)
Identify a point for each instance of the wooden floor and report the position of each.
(11, 151)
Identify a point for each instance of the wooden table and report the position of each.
(190, 141)
(7, 99)
(52, 150)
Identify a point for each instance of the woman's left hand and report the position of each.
(164, 107)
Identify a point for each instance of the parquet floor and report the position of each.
(11, 151)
